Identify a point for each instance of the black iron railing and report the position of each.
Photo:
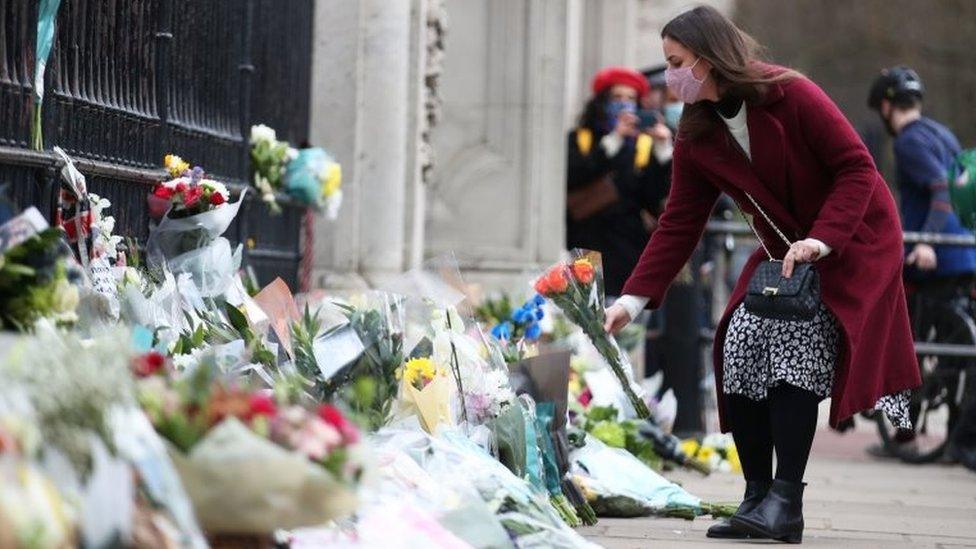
(130, 81)
(734, 228)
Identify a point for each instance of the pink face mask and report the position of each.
(683, 83)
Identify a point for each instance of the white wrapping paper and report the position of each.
(242, 483)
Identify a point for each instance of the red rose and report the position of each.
(192, 195)
(181, 187)
(217, 199)
(162, 191)
(148, 364)
(261, 405)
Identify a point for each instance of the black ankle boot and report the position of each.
(779, 516)
(755, 492)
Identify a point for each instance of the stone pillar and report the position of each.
(336, 106)
(605, 35)
(367, 99)
(496, 195)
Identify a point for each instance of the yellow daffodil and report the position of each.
(705, 453)
(332, 180)
(690, 447)
(175, 165)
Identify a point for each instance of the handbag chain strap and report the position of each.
(768, 220)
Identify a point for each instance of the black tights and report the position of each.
(786, 421)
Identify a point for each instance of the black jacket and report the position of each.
(618, 232)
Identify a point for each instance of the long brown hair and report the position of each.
(736, 60)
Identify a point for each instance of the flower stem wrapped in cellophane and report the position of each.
(576, 287)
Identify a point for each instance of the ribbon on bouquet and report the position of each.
(47, 14)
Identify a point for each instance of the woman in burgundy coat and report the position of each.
(764, 133)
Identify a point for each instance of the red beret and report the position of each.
(612, 76)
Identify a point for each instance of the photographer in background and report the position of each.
(616, 170)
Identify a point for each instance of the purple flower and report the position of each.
(196, 175)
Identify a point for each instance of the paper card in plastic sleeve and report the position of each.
(107, 499)
(101, 276)
(139, 444)
(20, 228)
(335, 350)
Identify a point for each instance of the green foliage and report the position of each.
(368, 386)
(216, 329)
(34, 282)
(610, 433)
(495, 310)
(303, 334)
(601, 422)
(269, 158)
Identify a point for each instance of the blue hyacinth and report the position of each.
(533, 332)
(521, 316)
(502, 331)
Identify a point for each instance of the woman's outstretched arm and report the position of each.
(689, 205)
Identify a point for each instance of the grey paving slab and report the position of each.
(851, 502)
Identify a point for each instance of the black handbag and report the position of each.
(771, 295)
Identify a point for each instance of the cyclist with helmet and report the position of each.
(925, 151)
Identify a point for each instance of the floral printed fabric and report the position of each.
(760, 353)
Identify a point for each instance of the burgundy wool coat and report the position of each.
(814, 177)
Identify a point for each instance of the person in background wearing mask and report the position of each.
(653, 120)
(775, 142)
(925, 150)
(615, 172)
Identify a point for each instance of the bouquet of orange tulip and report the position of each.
(576, 287)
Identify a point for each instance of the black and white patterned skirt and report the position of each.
(760, 353)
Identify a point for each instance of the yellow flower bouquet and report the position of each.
(425, 391)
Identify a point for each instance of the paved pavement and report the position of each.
(851, 501)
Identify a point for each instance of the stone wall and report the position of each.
(450, 117)
(495, 194)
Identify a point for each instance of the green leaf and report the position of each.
(237, 318)
(610, 433)
(601, 413)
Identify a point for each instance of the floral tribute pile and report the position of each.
(166, 402)
(190, 192)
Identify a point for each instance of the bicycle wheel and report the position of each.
(934, 407)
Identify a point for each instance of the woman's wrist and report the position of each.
(633, 304)
(823, 248)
